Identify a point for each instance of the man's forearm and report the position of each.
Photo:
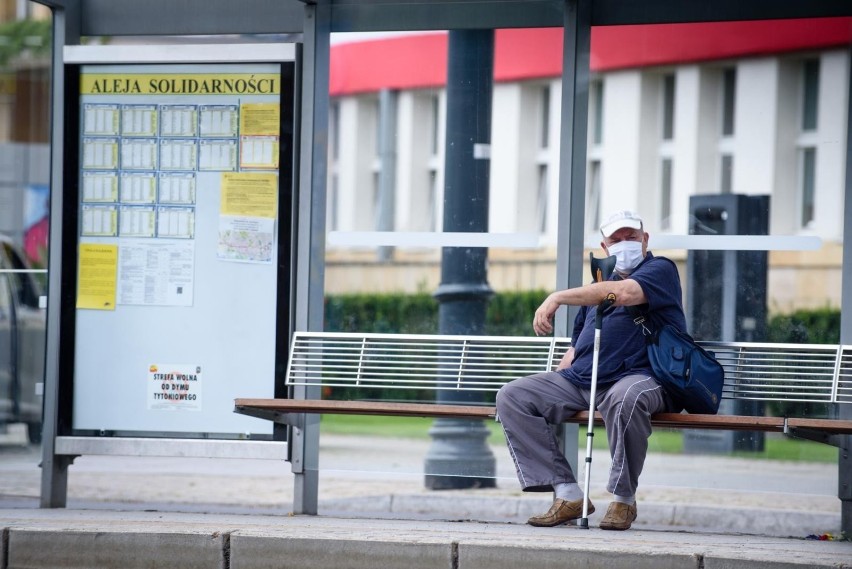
(627, 292)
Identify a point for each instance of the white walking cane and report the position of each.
(601, 271)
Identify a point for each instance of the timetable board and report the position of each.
(179, 181)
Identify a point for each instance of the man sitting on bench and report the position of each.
(627, 393)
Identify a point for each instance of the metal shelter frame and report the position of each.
(311, 23)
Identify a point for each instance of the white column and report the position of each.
(686, 145)
(621, 140)
(755, 126)
(553, 198)
(784, 208)
(506, 158)
(831, 150)
(355, 165)
(347, 162)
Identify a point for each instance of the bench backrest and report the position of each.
(815, 373)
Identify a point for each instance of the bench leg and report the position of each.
(305, 493)
(305, 466)
(844, 483)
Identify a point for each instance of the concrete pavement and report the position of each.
(694, 511)
(129, 540)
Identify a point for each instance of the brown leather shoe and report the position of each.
(560, 512)
(619, 516)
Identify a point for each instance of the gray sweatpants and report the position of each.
(529, 406)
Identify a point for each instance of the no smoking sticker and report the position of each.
(174, 387)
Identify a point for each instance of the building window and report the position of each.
(729, 91)
(593, 197)
(373, 190)
(666, 149)
(728, 127)
(726, 174)
(435, 130)
(333, 169)
(810, 94)
(432, 207)
(544, 140)
(808, 181)
(666, 194)
(807, 141)
(334, 130)
(377, 196)
(333, 205)
(536, 217)
(668, 106)
(597, 93)
(595, 155)
(542, 199)
(434, 163)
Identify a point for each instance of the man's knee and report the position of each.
(513, 395)
(630, 396)
(505, 396)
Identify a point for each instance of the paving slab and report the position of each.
(60, 538)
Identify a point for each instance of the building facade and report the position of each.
(755, 108)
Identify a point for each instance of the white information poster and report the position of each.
(156, 273)
(179, 175)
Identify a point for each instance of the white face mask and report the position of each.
(628, 255)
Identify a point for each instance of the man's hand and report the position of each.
(543, 319)
(567, 359)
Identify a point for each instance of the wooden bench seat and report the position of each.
(283, 411)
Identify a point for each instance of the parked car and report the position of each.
(22, 342)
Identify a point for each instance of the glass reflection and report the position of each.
(25, 56)
(674, 119)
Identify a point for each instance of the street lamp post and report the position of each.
(459, 456)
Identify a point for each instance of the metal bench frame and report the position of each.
(809, 373)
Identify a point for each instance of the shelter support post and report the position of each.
(310, 219)
(844, 460)
(54, 468)
(576, 53)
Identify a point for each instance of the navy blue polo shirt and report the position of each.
(622, 344)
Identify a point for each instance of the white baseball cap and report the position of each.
(619, 220)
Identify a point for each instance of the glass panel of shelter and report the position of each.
(700, 144)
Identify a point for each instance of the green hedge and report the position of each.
(819, 326)
(508, 314)
(24, 35)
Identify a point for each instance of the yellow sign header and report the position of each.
(180, 84)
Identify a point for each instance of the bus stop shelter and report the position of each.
(302, 199)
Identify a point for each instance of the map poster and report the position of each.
(247, 239)
(247, 209)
